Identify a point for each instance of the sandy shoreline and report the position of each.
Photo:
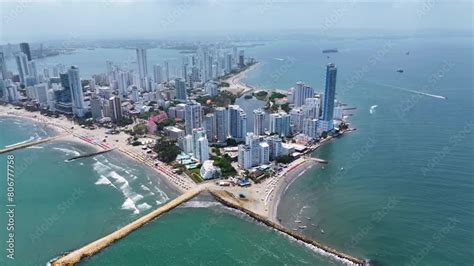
(282, 186)
(94, 138)
(236, 86)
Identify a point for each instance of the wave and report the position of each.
(200, 204)
(144, 206)
(35, 147)
(103, 181)
(21, 142)
(130, 205)
(279, 59)
(68, 151)
(413, 91)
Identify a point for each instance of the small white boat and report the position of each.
(322, 231)
(302, 226)
(295, 229)
(297, 221)
(308, 218)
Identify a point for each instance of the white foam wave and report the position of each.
(144, 206)
(103, 181)
(200, 204)
(130, 205)
(35, 147)
(67, 151)
(21, 142)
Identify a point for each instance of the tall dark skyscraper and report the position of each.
(3, 66)
(329, 92)
(25, 48)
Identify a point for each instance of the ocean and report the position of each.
(397, 191)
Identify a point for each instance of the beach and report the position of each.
(95, 139)
(236, 86)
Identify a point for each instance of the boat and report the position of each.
(400, 70)
(295, 229)
(302, 226)
(313, 225)
(322, 231)
(330, 51)
(309, 218)
(297, 221)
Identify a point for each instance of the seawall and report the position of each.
(229, 200)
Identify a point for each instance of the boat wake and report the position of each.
(413, 91)
(372, 109)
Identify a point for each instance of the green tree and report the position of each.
(139, 129)
(166, 150)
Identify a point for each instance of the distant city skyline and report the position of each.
(162, 19)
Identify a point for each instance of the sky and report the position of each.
(35, 20)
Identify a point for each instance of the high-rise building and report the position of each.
(241, 59)
(275, 144)
(228, 63)
(211, 127)
(211, 88)
(200, 146)
(258, 122)
(25, 48)
(115, 105)
(280, 123)
(310, 126)
(245, 157)
(311, 108)
(77, 95)
(158, 74)
(301, 92)
(41, 91)
(192, 116)
(167, 71)
(122, 83)
(329, 96)
(180, 86)
(222, 124)
(237, 122)
(142, 63)
(3, 66)
(22, 64)
(96, 108)
(296, 120)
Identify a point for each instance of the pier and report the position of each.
(90, 154)
(90, 249)
(229, 200)
(28, 144)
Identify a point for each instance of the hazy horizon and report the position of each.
(117, 19)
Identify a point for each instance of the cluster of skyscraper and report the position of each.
(62, 90)
(305, 120)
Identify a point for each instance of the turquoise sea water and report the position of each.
(63, 205)
(206, 233)
(397, 191)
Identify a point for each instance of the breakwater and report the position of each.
(229, 200)
(28, 144)
(92, 248)
(89, 155)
